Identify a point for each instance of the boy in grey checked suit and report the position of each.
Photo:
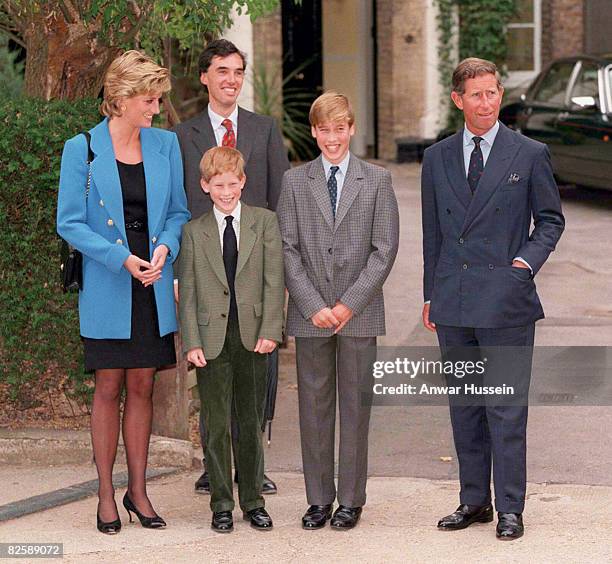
(340, 227)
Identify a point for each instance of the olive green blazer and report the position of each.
(204, 298)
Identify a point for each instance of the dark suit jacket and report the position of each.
(469, 242)
(260, 142)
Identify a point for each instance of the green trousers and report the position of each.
(235, 382)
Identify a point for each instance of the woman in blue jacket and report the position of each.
(128, 228)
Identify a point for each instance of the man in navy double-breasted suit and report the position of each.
(481, 188)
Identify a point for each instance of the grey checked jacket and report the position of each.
(346, 260)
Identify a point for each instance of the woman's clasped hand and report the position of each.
(147, 272)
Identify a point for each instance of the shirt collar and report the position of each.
(216, 119)
(220, 216)
(489, 136)
(343, 165)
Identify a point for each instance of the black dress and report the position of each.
(145, 348)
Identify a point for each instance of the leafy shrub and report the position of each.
(39, 326)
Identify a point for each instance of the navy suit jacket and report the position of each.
(469, 242)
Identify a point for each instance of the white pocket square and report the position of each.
(513, 178)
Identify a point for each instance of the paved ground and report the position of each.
(396, 527)
(568, 515)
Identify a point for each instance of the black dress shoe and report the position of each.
(465, 516)
(316, 516)
(202, 485)
(268, 487)
(345, 517)
(222, 522)
(259, 518)
(110, 527)
(509, 526)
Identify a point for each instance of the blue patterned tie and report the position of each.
(476, 165)
(332, 187)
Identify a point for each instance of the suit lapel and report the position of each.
(203, 136)
(500, 158)
(157, 178)
(105, 175)
(455, 169)
(318, 187)
(247, 237)
(246, 133)
(350, 188)
(209, 234)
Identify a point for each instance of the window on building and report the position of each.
(524, 41)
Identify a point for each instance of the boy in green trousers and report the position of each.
(231, 314)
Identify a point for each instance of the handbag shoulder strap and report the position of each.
(90, 157)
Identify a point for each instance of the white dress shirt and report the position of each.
(340, 173)
(485, 145)
(222, 224)
(218, 129)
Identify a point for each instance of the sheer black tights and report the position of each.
(137, 416)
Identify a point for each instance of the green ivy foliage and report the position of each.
(478, 28)
(39, 325)
(482, 29)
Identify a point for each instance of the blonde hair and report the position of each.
(471, 68)
(329, 107)
(219, 160)
(131, 74)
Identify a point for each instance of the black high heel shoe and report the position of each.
(147, 522)
(110, 528)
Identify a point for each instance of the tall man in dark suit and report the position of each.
(480, 189)
(222, 67)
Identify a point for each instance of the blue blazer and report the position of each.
(469, 242)
(97, 227)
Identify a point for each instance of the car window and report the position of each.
(552, 88)
(587, 83)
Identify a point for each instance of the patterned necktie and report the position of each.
(229, 139)
(332, 187)
(230, 261)
(476, 165)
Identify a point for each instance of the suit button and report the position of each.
(225, 293)
(465, 266)
(497, 210)
(330, 250)
(491, 267)
(154, 240)
(223, 315)
(101, 203)
(461, 241)
(110, 223)
(448, 211)
(119, 242)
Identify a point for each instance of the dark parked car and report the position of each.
(569, 107)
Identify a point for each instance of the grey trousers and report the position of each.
(324, 364)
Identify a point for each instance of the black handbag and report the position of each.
(71, 259)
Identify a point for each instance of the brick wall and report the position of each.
(562, 28)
